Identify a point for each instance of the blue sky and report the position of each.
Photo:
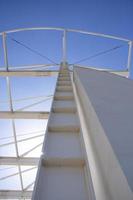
(110, 17)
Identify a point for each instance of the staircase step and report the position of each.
(62, 179)
(69, 128)
(64, 83)
(63, 96)
(63, 110)
(64, 106)
(58, 143)
(64, 79)
(49, 161)
(63, 132)
(64, 71)
(64, 122)
(64, 88)
(64, 75)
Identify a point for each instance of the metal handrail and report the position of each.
(64, 42)
(68, 30)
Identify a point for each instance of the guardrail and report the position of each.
(64, 41)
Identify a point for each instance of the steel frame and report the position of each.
(23, 115)
(34, 70)
(28, 73)
(22, 161)
(13, 194)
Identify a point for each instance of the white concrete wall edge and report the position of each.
(107, 185)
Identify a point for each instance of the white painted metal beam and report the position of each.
(31, 66)
(99, 35)
(64, 47)
(129, 55)
(29, 161)
(28, 73)
(23, 115)
(69, 30)
(15, 194)
(124, 74)
(5, 50)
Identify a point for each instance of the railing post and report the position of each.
(64, 47)
(5, 50)
(11, 105)
(129, 56)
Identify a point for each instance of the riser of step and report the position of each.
(47, 161)
(64, 83)
(64, 128)
(63, 122)
(64, 110)
(64, 71)
(64, 96)
(58, 143)
(63, 79)
(62, 180)
(64, 88)
(64, 107)
(67, 133)
(64, 75)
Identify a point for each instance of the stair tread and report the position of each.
(64, 105)
(63, 95)
(63, 122)
(64, 88)
(59, 161)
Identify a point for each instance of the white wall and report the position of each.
(112, 99)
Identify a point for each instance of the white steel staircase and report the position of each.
(61, 174)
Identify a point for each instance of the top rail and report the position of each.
(68, 30)
(99, 35)
(64, 32)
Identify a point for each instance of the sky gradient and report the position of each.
(110, 17)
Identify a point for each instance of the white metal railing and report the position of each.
(64, 40)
